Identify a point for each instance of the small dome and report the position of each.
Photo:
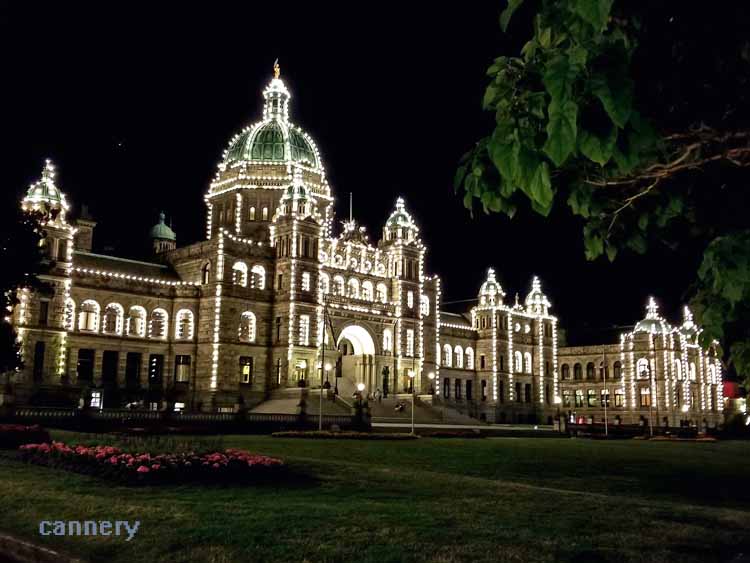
(652, 323)
(536, 301)
(491, 293)
(161, 230)
(688, 328)
(45, 191)
(400, 224)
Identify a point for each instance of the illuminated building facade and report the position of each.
(273, 296)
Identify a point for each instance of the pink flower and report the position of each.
(143, 469)
(155, 466)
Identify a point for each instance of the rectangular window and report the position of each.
(246, 370)
(96, 400)
(484, 389)
(566, 398)
(85, 366)
(518, 392)
(501, 391)
(604, 400)
(179, 407)
(447, 388)
(527, 393)
(304, 330)
(110, 359)
(619, 398)
(579, 397)
(155, 370)
(305, 281)
(591, 398)
(410, 299)
(502, 362)
(278, 329)
(62, 251)
(458, 389)
(410, 343)
(43, 312)
(645, 397)
(265, 213)
(39, 349)
(483, 362)
(182, 368)
(469, 390)
(133, 370)
(280, 282)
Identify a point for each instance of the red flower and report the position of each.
(143, 469)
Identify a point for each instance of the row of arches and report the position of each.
(353, 288)
(457, 357)
(591, 370)
(90, 317)
(255, 277)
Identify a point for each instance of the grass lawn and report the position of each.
(441, 500)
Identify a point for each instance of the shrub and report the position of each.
(316, 434)
(13, 435)
(146, 468)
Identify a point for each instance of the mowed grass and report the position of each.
(441, 500)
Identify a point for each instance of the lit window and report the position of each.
(182, 368)
(252, 213)
(645, 397)
(591, 398)
(459, 353)
(579, 397)
(239, 274)
(518, 361)
(387, 340)
(410, 299)
(425, 305)
(96, 399)
(367, 291)
(447, 355)
(184, 326)
(605, 398)
(305, 281)
(136, 321)
(179, 407)
(113, 319)
(469, 354)
(265, 213)
(410, 342)
(381, 293)
(641, 368)
(325, 283)
(304, 330)
(258, 277)
(246, 369)
(158, 324)
(247, 327)
(88, 318)
(527, 362)
(619, 398)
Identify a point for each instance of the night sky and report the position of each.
(135, 105)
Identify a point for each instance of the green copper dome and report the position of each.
(162, 231)
(275, 138)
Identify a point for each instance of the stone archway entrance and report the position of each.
(357, 349)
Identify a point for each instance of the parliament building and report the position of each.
(279, 297)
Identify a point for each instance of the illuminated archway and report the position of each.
(360, 339)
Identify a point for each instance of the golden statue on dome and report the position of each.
(276, 69)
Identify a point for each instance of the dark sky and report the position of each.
(135, 104)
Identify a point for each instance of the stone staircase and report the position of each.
(286, 401)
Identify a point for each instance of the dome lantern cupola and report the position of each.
(44, 195)
(689, 329)
(536, 301)
(653, 323)
(400, 225)
(491, 293)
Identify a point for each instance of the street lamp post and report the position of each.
(557, 400)
(411, 377)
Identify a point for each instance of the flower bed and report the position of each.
(344, 435)
(144, 468)
(13, 435)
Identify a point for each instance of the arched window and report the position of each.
(641, 368)
(247, 328)
(692, 371)
(352, 287)
(325, 283)
(113, 319)
(677, 368)
(603, 370)
(459, 352)
(206, 273)
(447, 356)
(338, 285)
(381, 293)
(565, 371)
(518, 362)
(258, 280)
(712, 375)
(387, 340)
(367, 290)
(577, 371)
(424, 303)
(184, 325)
(617, 370)
(590, 370)
(88, 317)
(158, 323)
(252, 214)
(136, 325)
(239, 274)
(527, 362)
(70, 314)
(469, 353)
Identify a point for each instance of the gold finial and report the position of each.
(276, 69)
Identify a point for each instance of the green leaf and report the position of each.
(593, 246)
(507, 13)
(616, 96)
(611, 252)
(541, 188)
(595, 12)
(561, 131)
(559, 76)
(579, 200)
(505, 158)
(595, 148)
(643, 221)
